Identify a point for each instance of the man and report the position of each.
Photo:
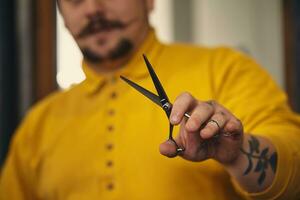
(98, 140)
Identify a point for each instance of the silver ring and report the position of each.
(179, 150)
(215, 122)
(227, 134)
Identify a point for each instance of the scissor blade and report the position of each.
(153, 97)
(160, 90)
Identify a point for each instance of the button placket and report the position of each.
(109, 147)
(109, 163)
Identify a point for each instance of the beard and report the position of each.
(122, 49)
(98, 23)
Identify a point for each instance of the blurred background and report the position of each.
(38, 56)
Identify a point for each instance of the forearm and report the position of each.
(254, 168)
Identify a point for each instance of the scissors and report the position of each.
(161, 99)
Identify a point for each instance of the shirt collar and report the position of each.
(133, 69)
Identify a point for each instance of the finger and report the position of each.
(169, 147)
(214, 125)
(200, 114)
(192, 145)
(182, 104)
(233, 128)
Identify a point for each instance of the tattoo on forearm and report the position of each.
(264, 160)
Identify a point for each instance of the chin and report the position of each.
(106, 51)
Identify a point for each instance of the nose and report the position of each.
(94, 7)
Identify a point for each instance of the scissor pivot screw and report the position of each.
(167, 106)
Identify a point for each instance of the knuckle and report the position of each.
(207, 107)
(222, 113)
(183, 97)
(212, 102)
(220, 117)
(232, 126)
(187, 94)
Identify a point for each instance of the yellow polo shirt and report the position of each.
(99, 139)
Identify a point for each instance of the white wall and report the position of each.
(254, 25)
(68, 57)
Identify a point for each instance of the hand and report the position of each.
(210, 132)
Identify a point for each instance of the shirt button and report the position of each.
(109, 163)
(110, 186)
(110, 128)
(111, 112)
(113, 80)
(113, 95)
(109, 146)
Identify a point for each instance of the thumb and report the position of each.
(169, 148)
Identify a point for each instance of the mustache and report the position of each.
(100, 23)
